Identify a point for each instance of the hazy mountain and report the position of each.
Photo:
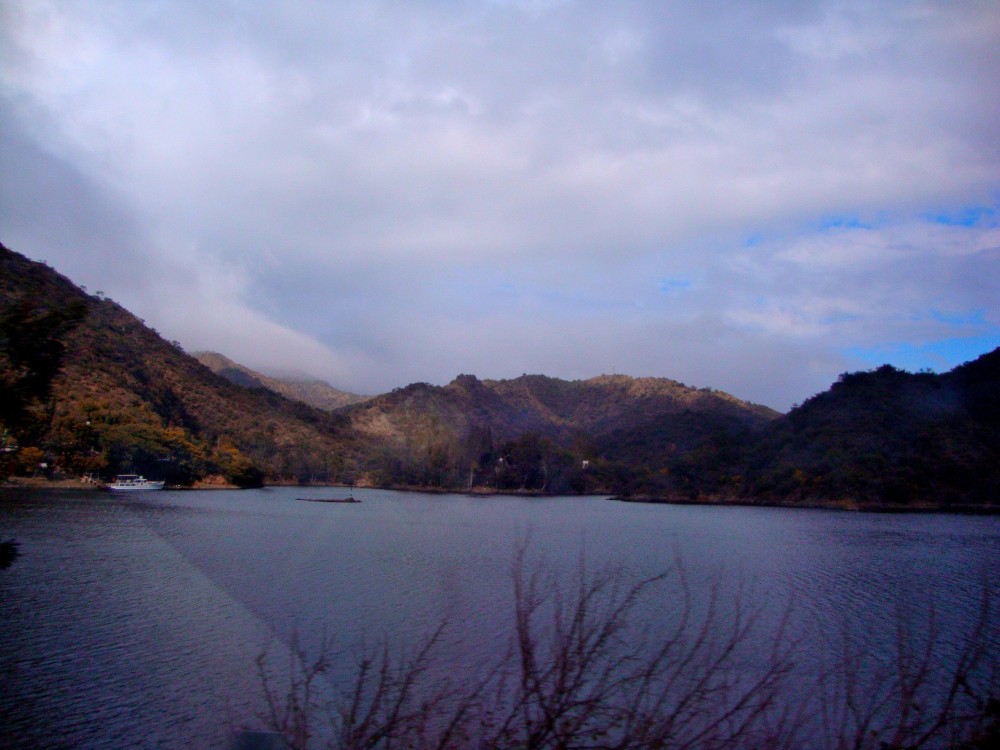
(298, 386)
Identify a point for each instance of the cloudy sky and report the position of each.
(751, 196)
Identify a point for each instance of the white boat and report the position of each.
(133, 483)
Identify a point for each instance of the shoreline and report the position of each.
(28, 483)
(847, 506)
(80, 485)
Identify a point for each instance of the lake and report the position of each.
(136, 621)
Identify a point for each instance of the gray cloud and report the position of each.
(403, 191)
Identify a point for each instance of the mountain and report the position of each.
(463, 431)
(308, 390)
(118, 397)
(124, 399)
(88, 387)
(557, 409)
(890, 438)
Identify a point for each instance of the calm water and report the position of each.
(135, 622)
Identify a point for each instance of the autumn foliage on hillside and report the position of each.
(123, 399)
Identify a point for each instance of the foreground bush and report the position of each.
(582, 671)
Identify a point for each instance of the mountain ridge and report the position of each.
(88, 387)
(554, 408)
(307, 389)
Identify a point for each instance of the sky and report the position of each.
(748, 196)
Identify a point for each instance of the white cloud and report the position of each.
(382, 188)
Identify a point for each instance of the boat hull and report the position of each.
(133, 483)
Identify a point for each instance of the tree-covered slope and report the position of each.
(888, 437)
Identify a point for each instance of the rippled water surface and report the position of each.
(135, 622)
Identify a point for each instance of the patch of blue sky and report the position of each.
(674, 285)
(969, 318)
(845, 221)
(969, 216)
(939, 356)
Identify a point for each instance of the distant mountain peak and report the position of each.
(294, 384)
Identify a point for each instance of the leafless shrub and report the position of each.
(584, 670)
(399, 703)
(588, 673)
(922, 693)
(292, 710)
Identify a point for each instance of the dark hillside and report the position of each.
(684, 456)
(888, 437)
(977, 382)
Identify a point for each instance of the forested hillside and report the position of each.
(888, 437)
